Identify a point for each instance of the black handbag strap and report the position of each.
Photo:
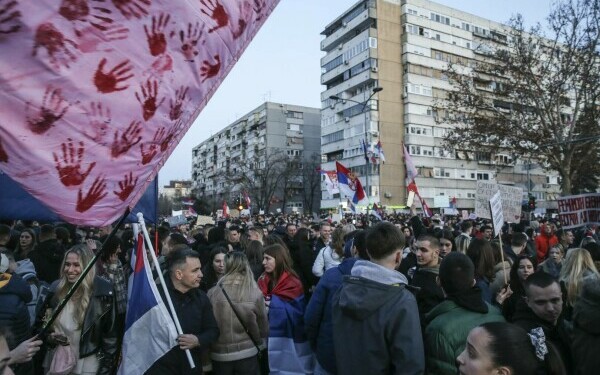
(239, 318)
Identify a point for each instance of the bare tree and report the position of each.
(312, 182)
(533, 94)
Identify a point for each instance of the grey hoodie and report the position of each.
(376, 328)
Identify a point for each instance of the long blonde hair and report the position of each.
(239, 274)
(81, 297)
(577, 264)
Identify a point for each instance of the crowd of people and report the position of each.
(291, 294)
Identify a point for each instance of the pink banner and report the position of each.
(96, 94)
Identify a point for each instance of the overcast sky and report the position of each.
(282, 65)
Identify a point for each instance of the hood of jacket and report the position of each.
(25, 269)
(369, 288)
(587, 308)
(346, 266)
(12, 284)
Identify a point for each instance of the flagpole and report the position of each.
(82, 276)
(163, 285)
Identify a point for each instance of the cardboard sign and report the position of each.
(204, 220)
(577, 210)
(511, 197)
(497, 213)
(176, 220)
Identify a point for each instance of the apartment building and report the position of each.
(403, 47)
(177, 189)
(248, 144)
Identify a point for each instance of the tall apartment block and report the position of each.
(270, 128)
(403, 48)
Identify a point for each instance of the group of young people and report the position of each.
(415, 296)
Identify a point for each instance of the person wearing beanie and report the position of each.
(449, 323)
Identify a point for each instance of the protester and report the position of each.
(500, 348)
(424, 277)
(5, 355)
(331, 255)
(586, 330)
(577, 266)
(234, 351)
(254, 254)
(303, 259)
(518, 246)
(545, 241)
(376, 328)
(523, 267)
(501, 270)
(233, 238)
(553, 263)
(194, 311)
(464, 238)
(86, 326)
(214, 270)
(565, 240)
(27, 242)
(256, 234)
(543, 307)
(319, 317)
(289, 351)
(481, 254)
(449, 323)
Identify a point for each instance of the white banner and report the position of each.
(512, 198)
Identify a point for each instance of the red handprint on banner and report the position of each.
(126, 187)
(53, 108)
(216, 11)
(148, 99)
(99, 118)
(157, 42)
(132, 8)
(3, 154)
(56, 45)
(245, 11)
(259, 6)
(90, 38)
(108, 82)
(96, 192)
(148, 155)
(127, 140)
(180, 97)
(10, 17)
(189, 41)
(165, 142)
(208, 70)
(69, 168)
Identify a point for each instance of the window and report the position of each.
(333, 137)
(294, 114)
(293, 127)
(483, 176)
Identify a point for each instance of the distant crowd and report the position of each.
(291, 294)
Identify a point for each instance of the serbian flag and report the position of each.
(96, 94)
(225, 209)
(331, 182)
(289, 349)
(411, 171)
(379, 152)
(426, 210)
(149, 330)
(376, 212)
(349, 183)
(351, 206)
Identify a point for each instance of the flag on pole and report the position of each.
(379, 152)
(149, 330)
(331, 182)
(426, 210)
(376, 211)
(225, 209)
(411, 171)
(363, 144)
(351, 206)
(247, 199)
(349, 184)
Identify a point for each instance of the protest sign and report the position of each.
(577, 210)
(511, 197)
(441, 201)
(203, 220)
(497, 213)
(176, 220)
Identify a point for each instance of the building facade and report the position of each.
(404, 47)
(249, 155)
(177, 189)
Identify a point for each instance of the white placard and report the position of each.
(497, 212)
(441, 201)
(512, 198)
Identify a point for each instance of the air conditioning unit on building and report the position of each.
(347, 119)
(346, 62)
(374, 69)
(387, 194)
(344, 24)
(341, 46)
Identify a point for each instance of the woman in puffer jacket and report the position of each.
(235, 352)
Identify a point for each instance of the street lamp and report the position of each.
(367, 134)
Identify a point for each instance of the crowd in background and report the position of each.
(404, 295)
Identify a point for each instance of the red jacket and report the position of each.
(543, 243)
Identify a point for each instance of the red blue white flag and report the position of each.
(349, 183)
(96, 94)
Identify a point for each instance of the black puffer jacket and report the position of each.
(47, 258)
(586, 330)
(98, 335)
(14, 296)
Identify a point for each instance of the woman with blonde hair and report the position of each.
(332, 255)
(577, 266)
(87, 323)
(237, 294)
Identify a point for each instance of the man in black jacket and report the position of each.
(195, 314)
(48, 255)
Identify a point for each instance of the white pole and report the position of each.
(163, 285)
